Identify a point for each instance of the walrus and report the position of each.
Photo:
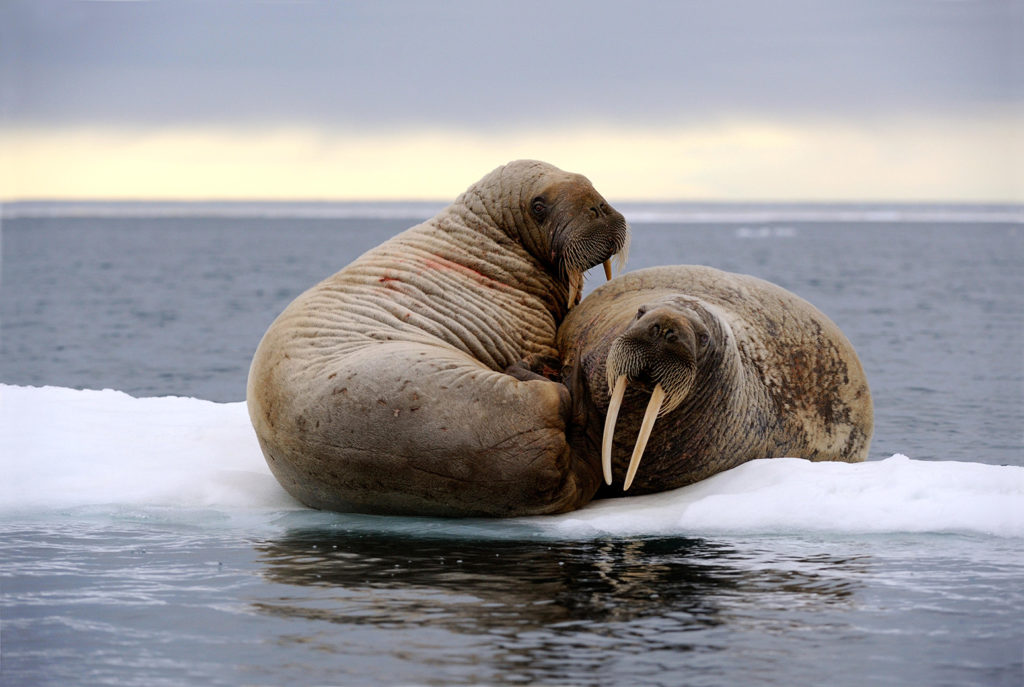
(416, 379)
(686, 371)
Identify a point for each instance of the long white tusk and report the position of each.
(653, 406)
(608, 269)
(575, 286)
(609, 427)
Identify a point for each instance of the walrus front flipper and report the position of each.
(412, 429)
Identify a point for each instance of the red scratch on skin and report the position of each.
(442, 265)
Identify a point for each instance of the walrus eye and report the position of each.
(640, 312)
(539, 209)
(703, 339)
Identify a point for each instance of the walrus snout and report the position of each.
(665, 333)
(661, 346)
(592, 238)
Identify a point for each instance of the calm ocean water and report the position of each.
(155, 301)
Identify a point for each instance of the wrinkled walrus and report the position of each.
(696, 370)
(407, 382)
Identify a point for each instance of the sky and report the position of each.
(716, 100)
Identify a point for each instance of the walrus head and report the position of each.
(583, 230)
(559, 217)
(663, 350)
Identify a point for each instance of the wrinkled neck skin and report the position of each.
(577, 231)
(502, 202)
(718, 373)
(499, 212)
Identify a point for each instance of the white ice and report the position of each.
(64, 449)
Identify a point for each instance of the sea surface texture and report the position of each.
(143, 540)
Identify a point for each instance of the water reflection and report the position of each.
(499, 611)
(649, 593)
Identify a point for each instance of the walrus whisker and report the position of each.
(653, 406)
(609, 427)
(623, 254)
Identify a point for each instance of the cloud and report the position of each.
(739, 99)
(942, 160)
(477, 64)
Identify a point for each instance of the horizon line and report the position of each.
(640, 212)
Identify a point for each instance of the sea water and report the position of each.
(144, 541)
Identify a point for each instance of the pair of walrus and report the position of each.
(446, 371)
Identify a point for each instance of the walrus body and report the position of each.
(384, 388)
(727, 368)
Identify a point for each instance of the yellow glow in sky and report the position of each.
(942, 160)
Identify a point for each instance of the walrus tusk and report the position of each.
(608, 269)
(609, 427)
(653, 406)
(575, 286)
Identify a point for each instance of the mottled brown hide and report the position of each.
(774, 378)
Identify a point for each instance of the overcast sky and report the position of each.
(724, 99)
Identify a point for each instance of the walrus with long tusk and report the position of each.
(408, 382)
(686, 371)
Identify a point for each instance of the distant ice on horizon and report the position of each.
(64, 449)
(636, 212)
